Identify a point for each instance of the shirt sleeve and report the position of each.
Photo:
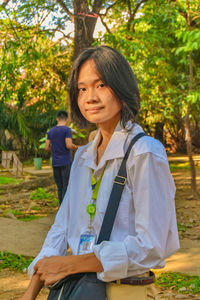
(155, 222)
(55, 243)
(68, 133)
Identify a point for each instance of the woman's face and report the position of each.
(96, 101)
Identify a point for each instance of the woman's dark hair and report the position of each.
(115, 72)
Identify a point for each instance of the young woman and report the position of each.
(103, 90)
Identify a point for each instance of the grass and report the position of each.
(7, 180)
(179, 166)
(16, 213)
(24, 216)
(41, 194)
(180, 282)
(37, 208)
(28, 218)
(181, 227)
(14, 261)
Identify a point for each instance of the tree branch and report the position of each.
(97, 6)
(64, 7)
(136, 9)
(104, 15)
(133, 14)
(108, 8)
(183, 13)
(129, 7)
(104, 24)
(5, 2)
(138, 6)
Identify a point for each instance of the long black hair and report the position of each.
(115, 72)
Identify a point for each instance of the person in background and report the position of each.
(59, 142)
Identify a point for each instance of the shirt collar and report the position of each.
(114, 149)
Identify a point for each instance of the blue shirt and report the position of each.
(60, 154)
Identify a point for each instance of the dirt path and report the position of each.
(13, 284)
(24, 238)
(27, 237)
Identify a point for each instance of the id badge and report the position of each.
(87, 240)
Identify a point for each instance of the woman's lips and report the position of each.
(94, 109)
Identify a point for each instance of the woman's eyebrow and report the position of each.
(93, 81)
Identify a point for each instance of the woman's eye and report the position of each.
(82, 89)
(101, 85)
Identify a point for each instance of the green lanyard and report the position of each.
(91, 208)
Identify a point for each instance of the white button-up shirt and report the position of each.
(145, 229)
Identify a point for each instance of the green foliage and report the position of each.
(28, 218)
(16, 213)
(154, 36)
(41, 194)
(42, 141)
(190, 39)
(179, 166)
(181, 227)
(13, 261)
(156, 42)
(36, 208)
(7, 180)
(33, 71)
(77, 132)
(178, 281)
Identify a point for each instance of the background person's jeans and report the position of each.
(61, 177)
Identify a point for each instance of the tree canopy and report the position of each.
(160, 39)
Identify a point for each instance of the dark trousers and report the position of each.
(61, 177)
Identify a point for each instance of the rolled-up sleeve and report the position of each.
(156, 234)
(55, 243)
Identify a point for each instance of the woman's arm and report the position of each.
(155, 236)
(54, 268)
(33, 289)
(51, 269)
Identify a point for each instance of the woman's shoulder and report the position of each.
(82, 150)
(147, 144)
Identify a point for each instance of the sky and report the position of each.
(70, 28)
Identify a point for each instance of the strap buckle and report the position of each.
(120, 180)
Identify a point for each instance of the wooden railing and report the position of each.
(8, 159)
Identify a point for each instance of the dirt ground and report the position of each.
(17, 197)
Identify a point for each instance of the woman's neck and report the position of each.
(106, 134)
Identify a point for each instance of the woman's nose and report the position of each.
(92, 95)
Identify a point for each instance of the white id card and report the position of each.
(87, 240)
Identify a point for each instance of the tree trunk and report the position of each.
(68, 107)
(189, 150)
(159, 132)
(84, 22)
(187, 119)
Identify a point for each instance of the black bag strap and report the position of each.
(115, 196)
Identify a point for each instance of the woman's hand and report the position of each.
(51, 269)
